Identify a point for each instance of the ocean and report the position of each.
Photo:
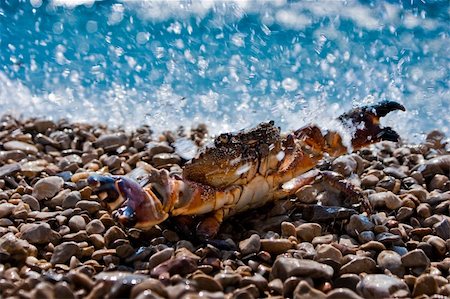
(229, 64)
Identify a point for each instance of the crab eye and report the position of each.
(224, 138)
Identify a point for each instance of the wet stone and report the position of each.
(391, 260)
(71, 200)
(95, 227)
(442, 229)
(228, 278)
(165, 158)
(305, 290)
(308, 231)
(21, 146)
(206, 282)
(32, 202)
(114, 233)
(77, 223)
(358, 265)
(250, 245)
(426, 284)
(177, 265)
(39, 234)
(9, 169)
(160, 257)
(63, 252)
(47, 187)
(382, 286)
(357, 224)
(276, 246)
(415, 258)
(90, 206)
(284, 268)
(340, 293)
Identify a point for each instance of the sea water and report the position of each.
(229, 64)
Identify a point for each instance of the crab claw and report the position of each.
(365, 121)
(129, 203)
(106, 189)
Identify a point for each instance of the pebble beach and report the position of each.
(58, 241)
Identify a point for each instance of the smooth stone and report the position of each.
(308, 231)
(90, 206)
(111, 141)
(160, 257)
(9, 169)
(77, 223)
(21, 146)
(340, 293)
(404, 213)
(71, 200)
(305, 291)
(327, 251)
(14, 155)
(359, 265)
(97, 240)
(347, 281)
(228, 278)
(307, 194)
(288, 229)
(112, 234)
(276, 246)
(369, 181)
(47, 187)
(63, 290)
(388, 199)
(151, 284)
(32, 202)
(165, 158)
(101, 253)
(177, 265)
(285, 267)
(95, 227)
(6, 209)
(391, 260)
(257, 279)
(345, 165)
(438, 244)
(366, 236)
(325, 239)
(382, 286)
(63, 252)
(415, 258)
(17, 249)
(426, 284)
(357, 224)
(39, 233)
(250, 245)
(207, 283)
(442, 229)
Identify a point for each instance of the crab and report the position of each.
(239, 172)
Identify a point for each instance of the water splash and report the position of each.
(229, 64)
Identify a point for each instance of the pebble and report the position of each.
(63, 252)
(357, 224)
(90, 206)
(305, 291)
(285, 267)
(207, 283)
(32, 202)
(415, 258)
(178, 265)
(388, 199)
(160, 257)
(71, 200)
(250, 245)
(149, 284)
(308, 231)
(340, 293)
(327, 251)
(112, 234)
(359, 265)
(9, 169)
(20, 146)
(77, 223)
(47, 187)
(391, 260)
(426, 284)
(442, 228)
(382, 286)
(39, 233)
(276, 246)
(95, 227)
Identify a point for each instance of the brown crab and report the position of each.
(241, 171)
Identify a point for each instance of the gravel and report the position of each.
(58, 240)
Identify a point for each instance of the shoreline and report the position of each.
(56, 240)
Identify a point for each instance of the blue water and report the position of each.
(230, 64)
